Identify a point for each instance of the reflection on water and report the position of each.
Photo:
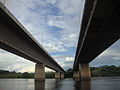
(39, 85)
(65, 84)
(82, 85)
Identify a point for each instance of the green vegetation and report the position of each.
(68, 73)
(16, 75)
(7, 74)
(50, 74)
(105, 71)
(102, 71)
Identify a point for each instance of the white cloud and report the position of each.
(116, 58)
(49, 70)
(53, 47)
(70, 6)
(13, 62)
(28, 69)
(65, 61)
(69, 58)
(56, 23)
(51, 1)
(111, 51)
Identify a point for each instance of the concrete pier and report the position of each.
(62, 75)
(76, 75)
(85, 71)
(39, 72)
(57, 75)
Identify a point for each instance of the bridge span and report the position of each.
(100, 28)
(17, 40)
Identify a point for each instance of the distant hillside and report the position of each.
(105, 71)
(101, 71)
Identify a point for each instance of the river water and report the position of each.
(99, 83)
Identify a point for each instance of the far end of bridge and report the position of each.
(40, 73)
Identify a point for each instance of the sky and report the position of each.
(55, 24)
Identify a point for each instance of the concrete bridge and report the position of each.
(17, 40)
(100, 29)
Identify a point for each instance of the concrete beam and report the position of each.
(39, 72)
(100, 28)
(85, 71)
(57, 75)
(17, 40)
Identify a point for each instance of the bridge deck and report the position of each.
(16, 39)
(100, 29)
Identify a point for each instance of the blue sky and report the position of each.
(56, 25)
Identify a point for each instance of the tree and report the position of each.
(25, 75)
(69, 73)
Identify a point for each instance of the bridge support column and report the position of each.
(39, 72)
(76, 75)
(62, 75)
(57, 75)
(85, 71)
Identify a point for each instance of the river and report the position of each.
(98, 83)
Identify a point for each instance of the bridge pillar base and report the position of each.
(85, 71)
(57, 75)
(62, 76)
(76, 75)
(39, 72)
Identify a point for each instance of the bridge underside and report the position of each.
(100, 29)
(15, 39)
